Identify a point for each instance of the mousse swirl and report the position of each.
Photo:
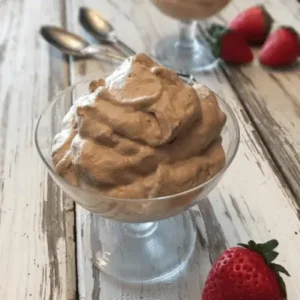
(141, 133)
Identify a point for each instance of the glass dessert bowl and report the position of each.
(187, 51)
(133, 240)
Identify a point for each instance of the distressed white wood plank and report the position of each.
(37, 253)
(248, 203)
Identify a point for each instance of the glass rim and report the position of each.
(168, 197)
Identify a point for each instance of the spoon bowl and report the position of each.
(96, 25)
(73, 44)
(65, 41)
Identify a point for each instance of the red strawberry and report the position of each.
(229, 45)
(246, 273)
(254, 24)
(281, 48)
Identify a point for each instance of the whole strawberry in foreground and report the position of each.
(281, 48)
(254, 24)
(246, 273)
(229, 45)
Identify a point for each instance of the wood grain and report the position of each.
(37, 253)
(248, 203)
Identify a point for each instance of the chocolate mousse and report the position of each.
(141, 133)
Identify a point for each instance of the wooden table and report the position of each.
(258, 198)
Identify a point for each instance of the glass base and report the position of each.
(194, 58)
(146, 252)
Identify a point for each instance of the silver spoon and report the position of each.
(75, 45)
(102, 30)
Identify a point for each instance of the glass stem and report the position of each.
(140, 229)
(188, 36)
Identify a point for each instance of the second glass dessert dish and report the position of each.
(137, 149)
(187, 51)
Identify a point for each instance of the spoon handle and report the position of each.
(124, 48)
(108, 57)
(100, 51)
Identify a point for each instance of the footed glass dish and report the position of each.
(140, 240)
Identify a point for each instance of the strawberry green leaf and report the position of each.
(282, 285)
(252, 245)
(266, 249)
(216, 30)
(216, 33)
(270, 256)
(272, 244)
(260, 248)
(278, 268)
(268, 246)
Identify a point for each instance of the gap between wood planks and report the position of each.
(67, 59)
